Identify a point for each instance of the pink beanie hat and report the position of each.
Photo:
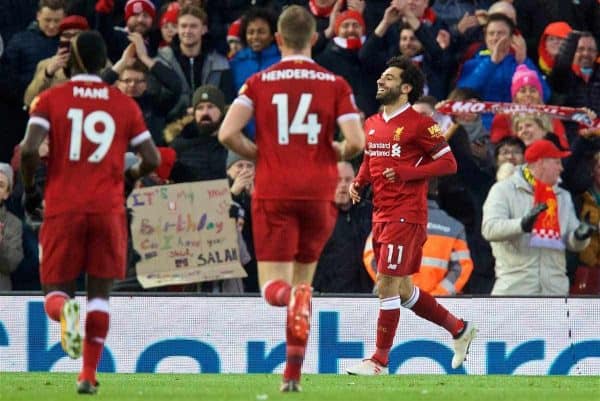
(524, 76)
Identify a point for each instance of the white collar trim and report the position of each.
(86, 78)
(297, 57)
(401, 110)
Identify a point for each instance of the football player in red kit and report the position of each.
(90, 126)
(404, 149)
(297, 105)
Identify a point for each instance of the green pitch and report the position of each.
(263, 387)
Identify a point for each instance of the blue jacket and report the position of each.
(247, 62)
(492, 81)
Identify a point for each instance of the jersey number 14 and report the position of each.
(85, 126)
(303, 122)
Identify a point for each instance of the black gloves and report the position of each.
(528, 220)
(585, 229)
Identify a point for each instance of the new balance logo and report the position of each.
(371, 132)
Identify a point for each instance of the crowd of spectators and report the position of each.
(183, 62)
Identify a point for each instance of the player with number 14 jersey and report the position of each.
(297, 104)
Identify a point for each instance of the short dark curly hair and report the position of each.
(89, 51)
(257, 13)
(410, 74)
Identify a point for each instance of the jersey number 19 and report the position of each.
(85, 126)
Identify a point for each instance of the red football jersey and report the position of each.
(90, 126)
(297, 104)
(403, 138)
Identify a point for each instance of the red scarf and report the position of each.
(319, 11)
(546, 229)
(561, 112)
(351, 43)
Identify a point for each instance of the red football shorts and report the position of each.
(75, 243)
(291, 230)
(398, 247)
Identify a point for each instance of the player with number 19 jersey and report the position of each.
(91, 125)
(296, 104)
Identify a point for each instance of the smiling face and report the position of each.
(49, 21)
(528, 94)
(410, 46)
(190, 30)
(494, 32)
(350, 28)
(389, 86)
(258, 34)
(132, 83)
(586, 52)
(529, 131)
(140, 23)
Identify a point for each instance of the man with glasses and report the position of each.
(153, 84)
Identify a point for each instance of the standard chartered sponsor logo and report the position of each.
(384, 149)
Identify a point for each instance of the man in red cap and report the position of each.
(50, 71)
(530, 221)
(139, 17)
(341, 56)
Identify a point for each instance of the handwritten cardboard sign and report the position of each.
(184, 234)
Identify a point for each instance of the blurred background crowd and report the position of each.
(184, 61)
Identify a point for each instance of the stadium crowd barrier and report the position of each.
(222, 334)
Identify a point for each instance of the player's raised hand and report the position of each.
(353, 190)
(390, 174)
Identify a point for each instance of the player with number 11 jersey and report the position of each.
(297, 104)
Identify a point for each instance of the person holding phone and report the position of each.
(50, 71)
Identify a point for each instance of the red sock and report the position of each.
(428, 308)
(295, 350)
(96, 329)
(387, 323)
(53, 304)
(277, 292)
